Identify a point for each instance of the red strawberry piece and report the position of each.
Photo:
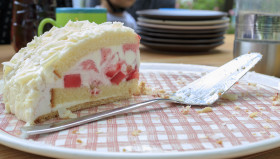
(133, 75)
(139, 37)
(118, 78)
(132, 47)
(72, 80)
(95, 91)
(129, 69)
(112, 71)
(89, 65)
(105, 52)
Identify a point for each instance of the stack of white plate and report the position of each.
(182, 30)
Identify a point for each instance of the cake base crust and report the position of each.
(74, 108)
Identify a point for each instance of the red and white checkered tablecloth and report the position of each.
(163, 127)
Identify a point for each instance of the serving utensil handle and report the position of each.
(52, 127)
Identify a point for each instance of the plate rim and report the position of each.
(177, 27)
(180, 36)
(146, 13)
(190, 23)
(34, 147)
(181, 47)
(196, 31)
(186, 41)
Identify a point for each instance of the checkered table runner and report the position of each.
(163, 127)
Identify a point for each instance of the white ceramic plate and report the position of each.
(256, 143)
(182, 41)
(187, 48)
(179, 27)
(174, 22)
(183, 32)
(181, 35)
(181, 14)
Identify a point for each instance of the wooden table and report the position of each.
(216, 57)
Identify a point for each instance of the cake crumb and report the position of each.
(254, 114)
(124, 150)
(230, 96)
(65, 113)
(271, 136)
(236, 107)
(266, 127)
(136, 132)
(79, 141)
(205, 110)
(185, 110)
(220, 142)
(203, 137)
(252, 84)
(259, 94)
(276, 100)
(160, 93)
(244, 94)
(142, 88)
(268, 120)
(181, 81)
(75, 132)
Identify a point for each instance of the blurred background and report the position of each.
(40, 9)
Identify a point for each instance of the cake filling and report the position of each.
(93, 74)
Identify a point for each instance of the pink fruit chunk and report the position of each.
(72, 80)
(129, 69)
(132, 47)
(133, 75)
(89, 65)
(118, 78)
(113, 70)
(95, 91)
(139, 37)
(105, 52)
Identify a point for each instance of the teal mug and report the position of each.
(63, 15)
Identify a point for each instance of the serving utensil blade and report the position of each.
(208, 89)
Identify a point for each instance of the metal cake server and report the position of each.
(204, 91)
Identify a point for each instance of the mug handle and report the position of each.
(43, 23)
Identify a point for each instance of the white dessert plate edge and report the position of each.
(174, 22)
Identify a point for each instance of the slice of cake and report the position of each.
(75, 67)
